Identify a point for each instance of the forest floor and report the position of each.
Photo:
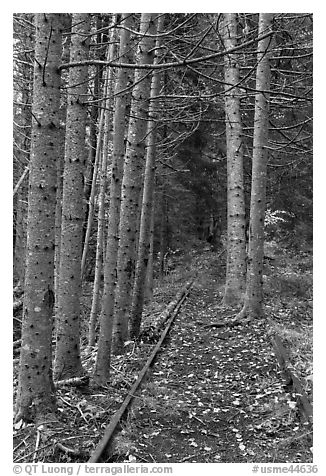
(213, 394)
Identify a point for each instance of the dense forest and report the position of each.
(162, 224)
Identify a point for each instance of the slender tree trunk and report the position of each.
(99, 250)
(254, 295)
(20, 180)
(20, 230)
(108, 92)
(60, 163)
(35, 376)
(93, 119)
(20, 194)
(236, 249)
(131, 185)
(146, 211)
(102, 366)
(67, 361)
(150, 265)
(91, 203)
(163, 231)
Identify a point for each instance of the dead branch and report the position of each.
(75, 382)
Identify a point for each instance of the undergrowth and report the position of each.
(288, 306)
(288, 303)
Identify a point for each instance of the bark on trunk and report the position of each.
(163, 231)
(58, 215)
(102, 366)
(92, 139)
(67, 361)
(91, 202)
(146, 211)
(93, 160)
(236, 248)
(100, 248)
(60, 163)
(131, 185)
(35, 377)
(254, 294)
(150, 264)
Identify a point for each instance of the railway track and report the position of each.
(167, 318)
(227, 396)
(226, 376)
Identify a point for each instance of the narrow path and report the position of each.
(214, 395)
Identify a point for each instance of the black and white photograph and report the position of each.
(162, 242)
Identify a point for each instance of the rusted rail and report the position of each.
(168, 316)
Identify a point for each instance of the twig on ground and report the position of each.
(196, 418)
(37, 444)
(68, 450)
(67, 403)
(81, 413)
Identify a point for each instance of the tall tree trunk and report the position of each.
(67, 361)
(35, 376)
(146, 211)
(21, 223)
(22, 138)
(131, 184)
(150, 265)
(236, 248)
(254, 295)
(60, 163)
(108, 91)
(102, 366)
(92, 138)
(163, 230)
(91, 202)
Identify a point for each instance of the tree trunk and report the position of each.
(163, 231)
(93, 117)
(146, 211)
(102, 366)
(67, 361)
(35, 377)
(100, 249)
(150, 265)
(131, 184)
(236, 248)
(58, 214)
(254, 295)
(91, 202)
(60, 163)
(20, 230)
(22, 138)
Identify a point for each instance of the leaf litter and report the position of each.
(216, 400)
(213, 395)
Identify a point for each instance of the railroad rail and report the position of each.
(167, 317)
